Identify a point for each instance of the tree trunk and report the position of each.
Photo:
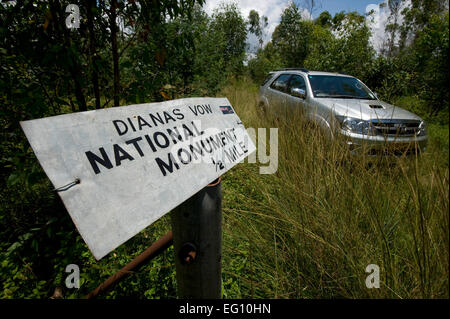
(115, 54)
(73, 66)
(91, 5)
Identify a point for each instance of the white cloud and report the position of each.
(378, 21)
(306, 15)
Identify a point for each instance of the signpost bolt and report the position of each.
(67, 186)
(187, 254)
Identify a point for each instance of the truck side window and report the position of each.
(298, 82)
(268, 77)
(280, 84)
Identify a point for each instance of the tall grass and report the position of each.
(310, 229)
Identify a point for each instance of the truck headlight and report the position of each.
(354, 125)
(422, 129)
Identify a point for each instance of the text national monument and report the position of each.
(119, 169)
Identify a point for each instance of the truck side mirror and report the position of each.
(297, 92)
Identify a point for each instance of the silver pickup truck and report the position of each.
(342, 104)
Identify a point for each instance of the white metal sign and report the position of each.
(120, 169)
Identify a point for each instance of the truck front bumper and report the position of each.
(385, 145)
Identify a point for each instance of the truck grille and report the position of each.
(396, 127)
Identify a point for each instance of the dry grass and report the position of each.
(310, 230)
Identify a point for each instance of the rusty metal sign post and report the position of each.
(197, 240)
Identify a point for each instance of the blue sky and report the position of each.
(334, 6)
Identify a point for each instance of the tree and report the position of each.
(323, 50)
(115, 53)
(418, 16)
(343, 48)
(430, 56)
(91, 8)
(266, 60)
(393, 27)
(423, 52)
(291, 37)
(257, 26)
(231, 28)
(324, 19)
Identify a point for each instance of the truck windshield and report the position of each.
(339, 87)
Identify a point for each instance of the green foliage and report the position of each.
(325, 19)
(220, 47)
(343, 47)
(165, 49)
(292, 37)
(323, 51)
(431, 56)
(340, 44)
(230, 27)
(266, 60)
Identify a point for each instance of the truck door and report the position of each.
(294, 101)
(278, 94)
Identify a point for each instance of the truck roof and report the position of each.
(305, 71)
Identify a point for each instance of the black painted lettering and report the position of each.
(189, 157)
(243, 147)
(135, 141)
(120, 154)
(117, 126)
(228, 136)
(150, 143)
(236, 151)
(142, 122)
(168, 117)
(166, 140)
(163, 166)
(200, 109)
(209, 144)
(222, 138)
(178, 114)
(131, 124)
(156, 119)
(197, 150)
(194, 110)
(187, 132)
(207, 108)
(231, 157)
(175, 134)
(197, 131)
(94, 159)
(215, 143)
